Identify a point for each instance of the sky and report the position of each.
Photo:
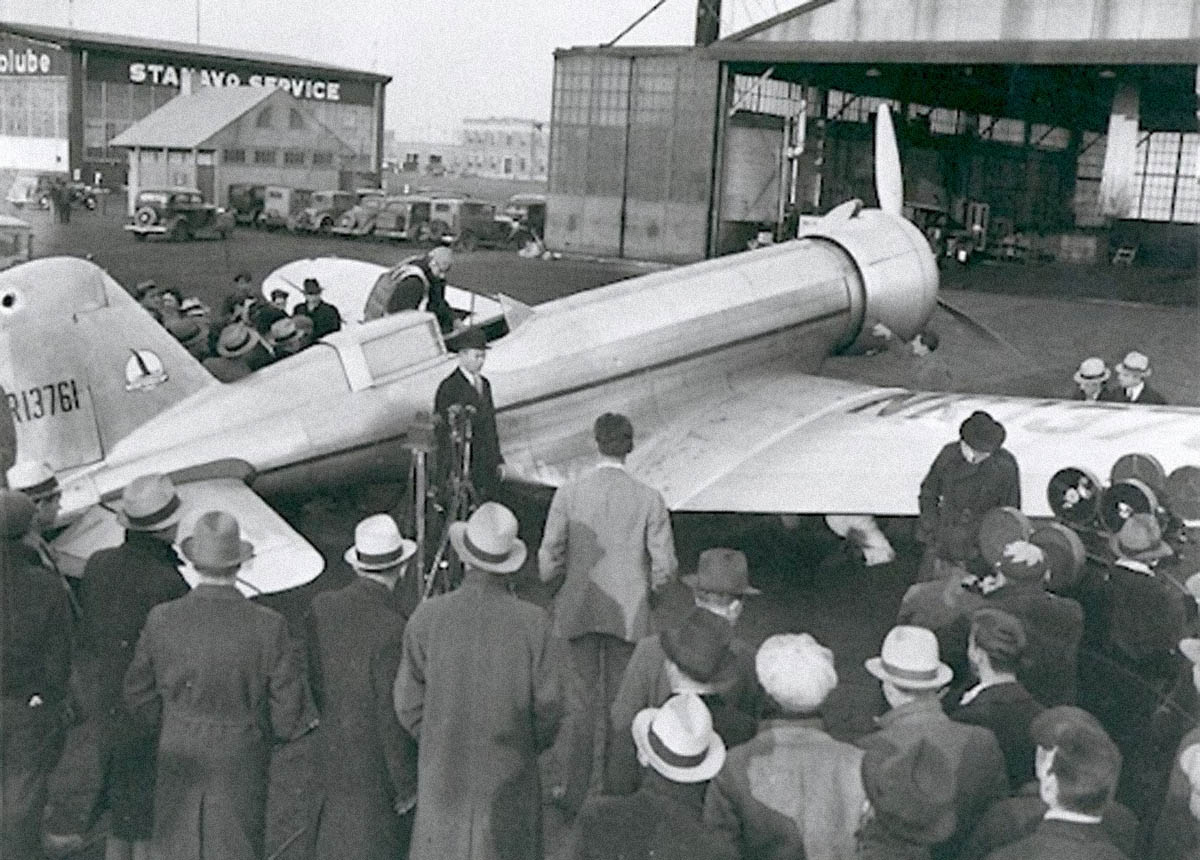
(449, 59)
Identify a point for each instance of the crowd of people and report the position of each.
(1029, 712)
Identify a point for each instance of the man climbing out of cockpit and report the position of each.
(411, 282)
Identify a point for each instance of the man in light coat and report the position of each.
(792, 791)
(608, 540)
(480, 689)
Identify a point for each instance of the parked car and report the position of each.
(16, 241)
(178, 214)
(447, 213)
(479, 224)
(247, 203)
(359, 220)
(404, 217)
(322, 211)
(281, 205)
(529, 212)
(30, 190)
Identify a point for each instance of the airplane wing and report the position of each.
(347, 284)
(784, 442)
(282, 558)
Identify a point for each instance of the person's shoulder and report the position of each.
(32, 577)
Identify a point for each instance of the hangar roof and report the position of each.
(88, 39)
(187, 121)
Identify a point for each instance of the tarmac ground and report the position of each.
(1005, 328)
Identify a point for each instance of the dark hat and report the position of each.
(700, 645)
(216, 543)
(1022, 561)
(312, 287)
(982, 432)
(472, 338)
(614, 434)
(1000, 634)
(723, 571)
(911, 790)
(16, 514)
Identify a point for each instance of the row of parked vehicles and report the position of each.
(456, 219)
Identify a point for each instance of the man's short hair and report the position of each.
(1087, 764)
(278, 294)
(614, 434)
(1001, 636)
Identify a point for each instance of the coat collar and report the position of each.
(149, 545)
(918, 710)
(217, 592)
(688, 796)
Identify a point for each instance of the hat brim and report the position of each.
(511, 563)
(943, 677)
(1124, 368)
(692, 580)
(243, 350)
(714, 759)
(1160, 550)
(187, 547)
(1080, 378)
(165, 523)
(408, 550)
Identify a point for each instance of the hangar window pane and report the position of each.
(293, 159)
(234, 156)
(1155, 204)
(1001, 129)
(322, 159)
(1049, 137)
(264, 156)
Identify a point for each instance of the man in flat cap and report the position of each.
(968, 478)
(1132, 387)
(608, 543)
(792, 791)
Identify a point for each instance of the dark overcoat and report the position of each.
(1007, 709)
(365, 760)
(120, 587)
(956, 494)
(1062, 840)
(325, 318)
(485, 440)
(1176, 833)
(218, 674)
(481, 689)
(1053, 631)
(971, 751)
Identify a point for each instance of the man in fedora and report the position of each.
(968, 478)
(1132, 386)
(464, 401)
(480, 689)
(120, 586)
(697, 656)
(219, 679)
(35, 653)
(366, 762)
(680, 751)
(912, 676)
(608, 544)
(1077, 770)
(285, 338)
(324, 316)
(792, 791)
(1090, 380)
(236, 343)
(36, 481)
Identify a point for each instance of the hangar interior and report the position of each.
(1056, 133)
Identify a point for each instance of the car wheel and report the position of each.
(44, 202)
(90, 203)
(325, 226)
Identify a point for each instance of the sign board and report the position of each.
(21, 58)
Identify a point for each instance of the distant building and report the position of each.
(422, 157)
(505, 148)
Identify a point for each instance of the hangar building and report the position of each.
(1069, 123)
(65, 94)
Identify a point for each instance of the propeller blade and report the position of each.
(889, 183)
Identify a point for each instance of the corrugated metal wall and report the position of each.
(631, 153)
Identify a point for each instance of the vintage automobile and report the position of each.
(281, 204)
(178, 214)
(404, 217)
(16, 241)
(322, 211)
(359, 220)
(247, 203)
(480, 225)
(30, 190)
(529, 212)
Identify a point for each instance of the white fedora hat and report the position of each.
(909, 659)
(678, 739)
(149, 504)
(378, 545)
(33, 478)
(1135, 362)
(1092, 370)
(488, 540)
(216, 543)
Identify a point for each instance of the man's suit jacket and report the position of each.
(485, 440)
(610, 535)
(1006, 709)
(1062, 840)
(1053, 627)
(1148, 395)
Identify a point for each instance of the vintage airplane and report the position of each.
(712, 362)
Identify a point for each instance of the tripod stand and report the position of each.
(461, 501)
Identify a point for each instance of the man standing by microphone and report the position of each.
(469, 390)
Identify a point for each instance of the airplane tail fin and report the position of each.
(81, 363)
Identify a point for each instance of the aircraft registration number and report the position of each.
(43, 401)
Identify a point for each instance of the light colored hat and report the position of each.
(1140, 538)
(283, 331)
(236, 340)
(796, 671)
(442, 256)
(1135, 362)
(149, 504)
(33, 478)
(378, 545)
(488, 540)
(1092, 370)
(909, 659)
(678, 739)
(216, 543)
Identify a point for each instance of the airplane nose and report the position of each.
(898, 275)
